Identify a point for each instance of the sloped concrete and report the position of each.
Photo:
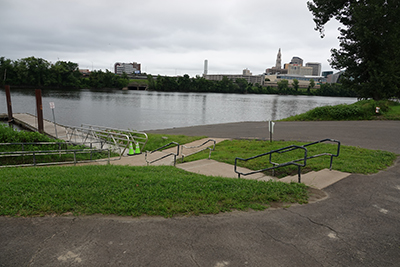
(320, 179)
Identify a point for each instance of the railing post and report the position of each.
(9, 106)
(39, 108)
(299, 173)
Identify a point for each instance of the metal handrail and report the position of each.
(59, 152)
(326, 154)
(275, 165)
(119, 141)
(136, 136)
(189, 147)
(167, 155)
(322, 154)
(294, 162)
(33, 143)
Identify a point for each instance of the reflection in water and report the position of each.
(142, 110)
(274, 108)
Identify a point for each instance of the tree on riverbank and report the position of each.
(239, 86)
(38, 72)
(369, 44)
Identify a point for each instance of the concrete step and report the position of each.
(214, 168)
(319, 179)
(192, 147)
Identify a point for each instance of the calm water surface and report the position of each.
(143, 110)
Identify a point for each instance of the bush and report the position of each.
(10, 135)
(361, 110)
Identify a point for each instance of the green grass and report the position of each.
(351, 159)
(361, 110)
(158, 140)
(139, 81)
(134, 191)
(10, 135)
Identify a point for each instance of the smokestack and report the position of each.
(205, 67)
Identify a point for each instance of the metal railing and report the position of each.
(137, 137)
(35, 155)
(197, 151)
(164, 156)
(115, 141)
(293, 162)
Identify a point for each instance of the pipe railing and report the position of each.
(197, 151)
(98, 138)
(164, 156)
(293, 162)
(138, 137)
(36, 154)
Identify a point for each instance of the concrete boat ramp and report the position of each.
(319, 180)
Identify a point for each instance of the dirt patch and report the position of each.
(315, 195)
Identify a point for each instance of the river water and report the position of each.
(145, 110)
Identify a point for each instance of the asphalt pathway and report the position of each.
(357, 224)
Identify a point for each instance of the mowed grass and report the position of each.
(134, 191)
(350, 159)
(156, 141)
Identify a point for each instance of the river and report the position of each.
(145, 110)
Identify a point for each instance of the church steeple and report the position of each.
(278, 64)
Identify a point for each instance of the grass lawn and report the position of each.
(351, 159)
(134, 191)
(361, 110)
(156, 141)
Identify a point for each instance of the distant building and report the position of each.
(247, 72)
(85, 72)
(326, 73)
(247, 75)
(299, 70)
(277, 69)
(304, 80)
(128, 68)
(335, 78)
(296, 60)
(316, 68)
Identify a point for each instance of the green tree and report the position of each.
(64, 74)
(7, 71)
(283, 86)
(244, 86)
(184, 84)
(295, 84)
(312, 83)
(369, 43)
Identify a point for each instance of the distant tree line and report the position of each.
(241, 86)
(38, 72)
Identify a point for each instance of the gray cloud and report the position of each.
(167, 37)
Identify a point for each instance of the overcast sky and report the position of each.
(168, 37)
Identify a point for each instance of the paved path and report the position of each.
(384, 135)
(357, 224)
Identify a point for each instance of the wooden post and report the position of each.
(9, 106)
(39, 109)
